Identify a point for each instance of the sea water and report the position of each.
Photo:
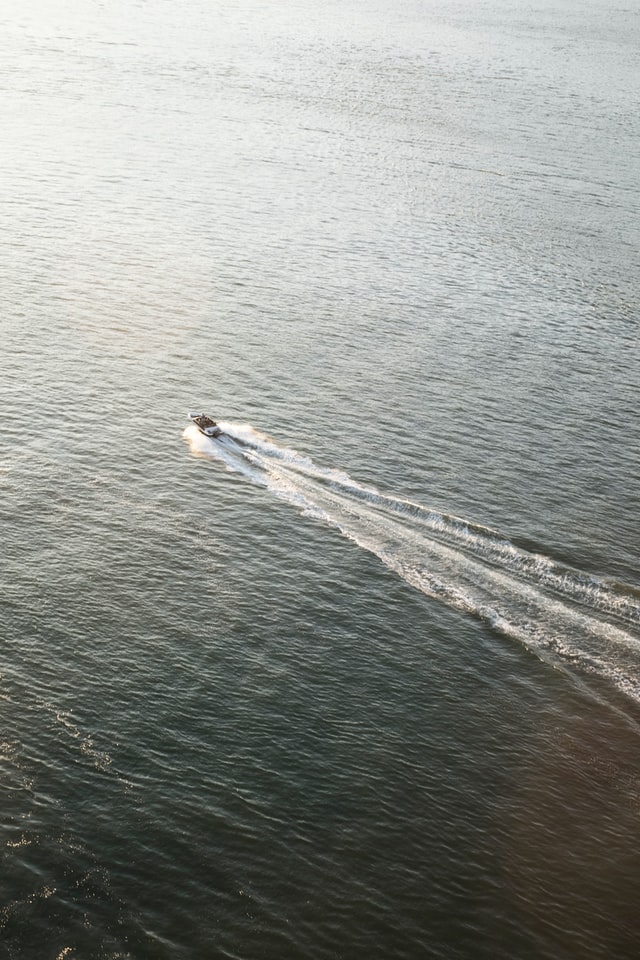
(362, 678)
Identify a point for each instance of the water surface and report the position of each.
(362, 679)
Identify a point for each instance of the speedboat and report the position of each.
(206, 425)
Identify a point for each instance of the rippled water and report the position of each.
(362, 678)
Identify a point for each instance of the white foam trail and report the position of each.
(554, 610)
(226, 451)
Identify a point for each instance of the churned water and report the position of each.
(361, 679)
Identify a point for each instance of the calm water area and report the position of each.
(361, 678)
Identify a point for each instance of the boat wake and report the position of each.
(563, 615)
